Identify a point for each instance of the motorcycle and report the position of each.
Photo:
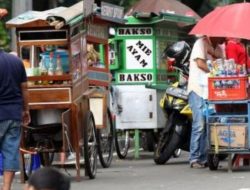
(177, 132)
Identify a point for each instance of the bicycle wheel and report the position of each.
(122, 143)
(105, 139)
(90, 145)
(27, 165)
(30, 163)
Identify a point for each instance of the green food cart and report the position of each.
(140, 75)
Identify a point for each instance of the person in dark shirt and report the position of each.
(14, 112)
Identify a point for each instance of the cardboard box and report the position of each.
(228, 136)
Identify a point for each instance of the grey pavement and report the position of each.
(136, 174)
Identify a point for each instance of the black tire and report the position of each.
(122, 143)
(148, 140)
(105, 140)
(213, 161)
(164, 153)
(27, 165)
(90, 145)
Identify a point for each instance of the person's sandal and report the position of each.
(197, 165)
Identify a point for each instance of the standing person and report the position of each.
(14, 112)
(236, 50)
(48, 179)
(204, 48)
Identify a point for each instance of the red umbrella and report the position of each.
(227, 21)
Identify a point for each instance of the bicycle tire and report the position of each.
(122, 143)
(90, 145)
(105, 139)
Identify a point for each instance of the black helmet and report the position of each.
(180, 51)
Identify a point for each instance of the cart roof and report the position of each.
(57, 17)
(150, 19)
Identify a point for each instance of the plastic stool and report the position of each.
(245, 157)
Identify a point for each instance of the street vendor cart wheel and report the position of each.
(27, 165)
(122, 142)
(213, 161)
(106, 141)
(90, 145)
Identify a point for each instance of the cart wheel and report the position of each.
(122, 143)
(105, 139)
(30, 163)
(90, 145)
(213, 161)
(27, 165)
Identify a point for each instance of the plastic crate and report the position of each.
(228, 88)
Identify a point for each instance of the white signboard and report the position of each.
(135, 77)
(112, 11)
(139, 54)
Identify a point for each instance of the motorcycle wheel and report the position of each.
(213, 161)
(164, 153)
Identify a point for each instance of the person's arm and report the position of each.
(202, 65)
(26, 114)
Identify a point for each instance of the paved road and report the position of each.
(143, 174)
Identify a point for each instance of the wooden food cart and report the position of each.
(65, 87)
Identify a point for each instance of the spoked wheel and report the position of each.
(122, 143)
(90, 145)
(27, 165)
(30, 162)
(105, 139)
(213, 161)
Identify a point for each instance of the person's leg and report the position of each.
(10, 151)
(203, 146)
(196, 104)
(7, 179)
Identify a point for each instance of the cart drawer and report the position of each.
(40, 96)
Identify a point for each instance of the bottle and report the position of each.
(43, 70)
(51, 71)
(59, 70)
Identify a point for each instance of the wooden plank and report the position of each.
(43, 96)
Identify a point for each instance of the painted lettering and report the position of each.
(143, 63)
(138, 57)
(134, 51)
(130, 48)
(135, 77)
(122, 77)
(135, 31)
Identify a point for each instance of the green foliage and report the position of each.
(4, 35)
